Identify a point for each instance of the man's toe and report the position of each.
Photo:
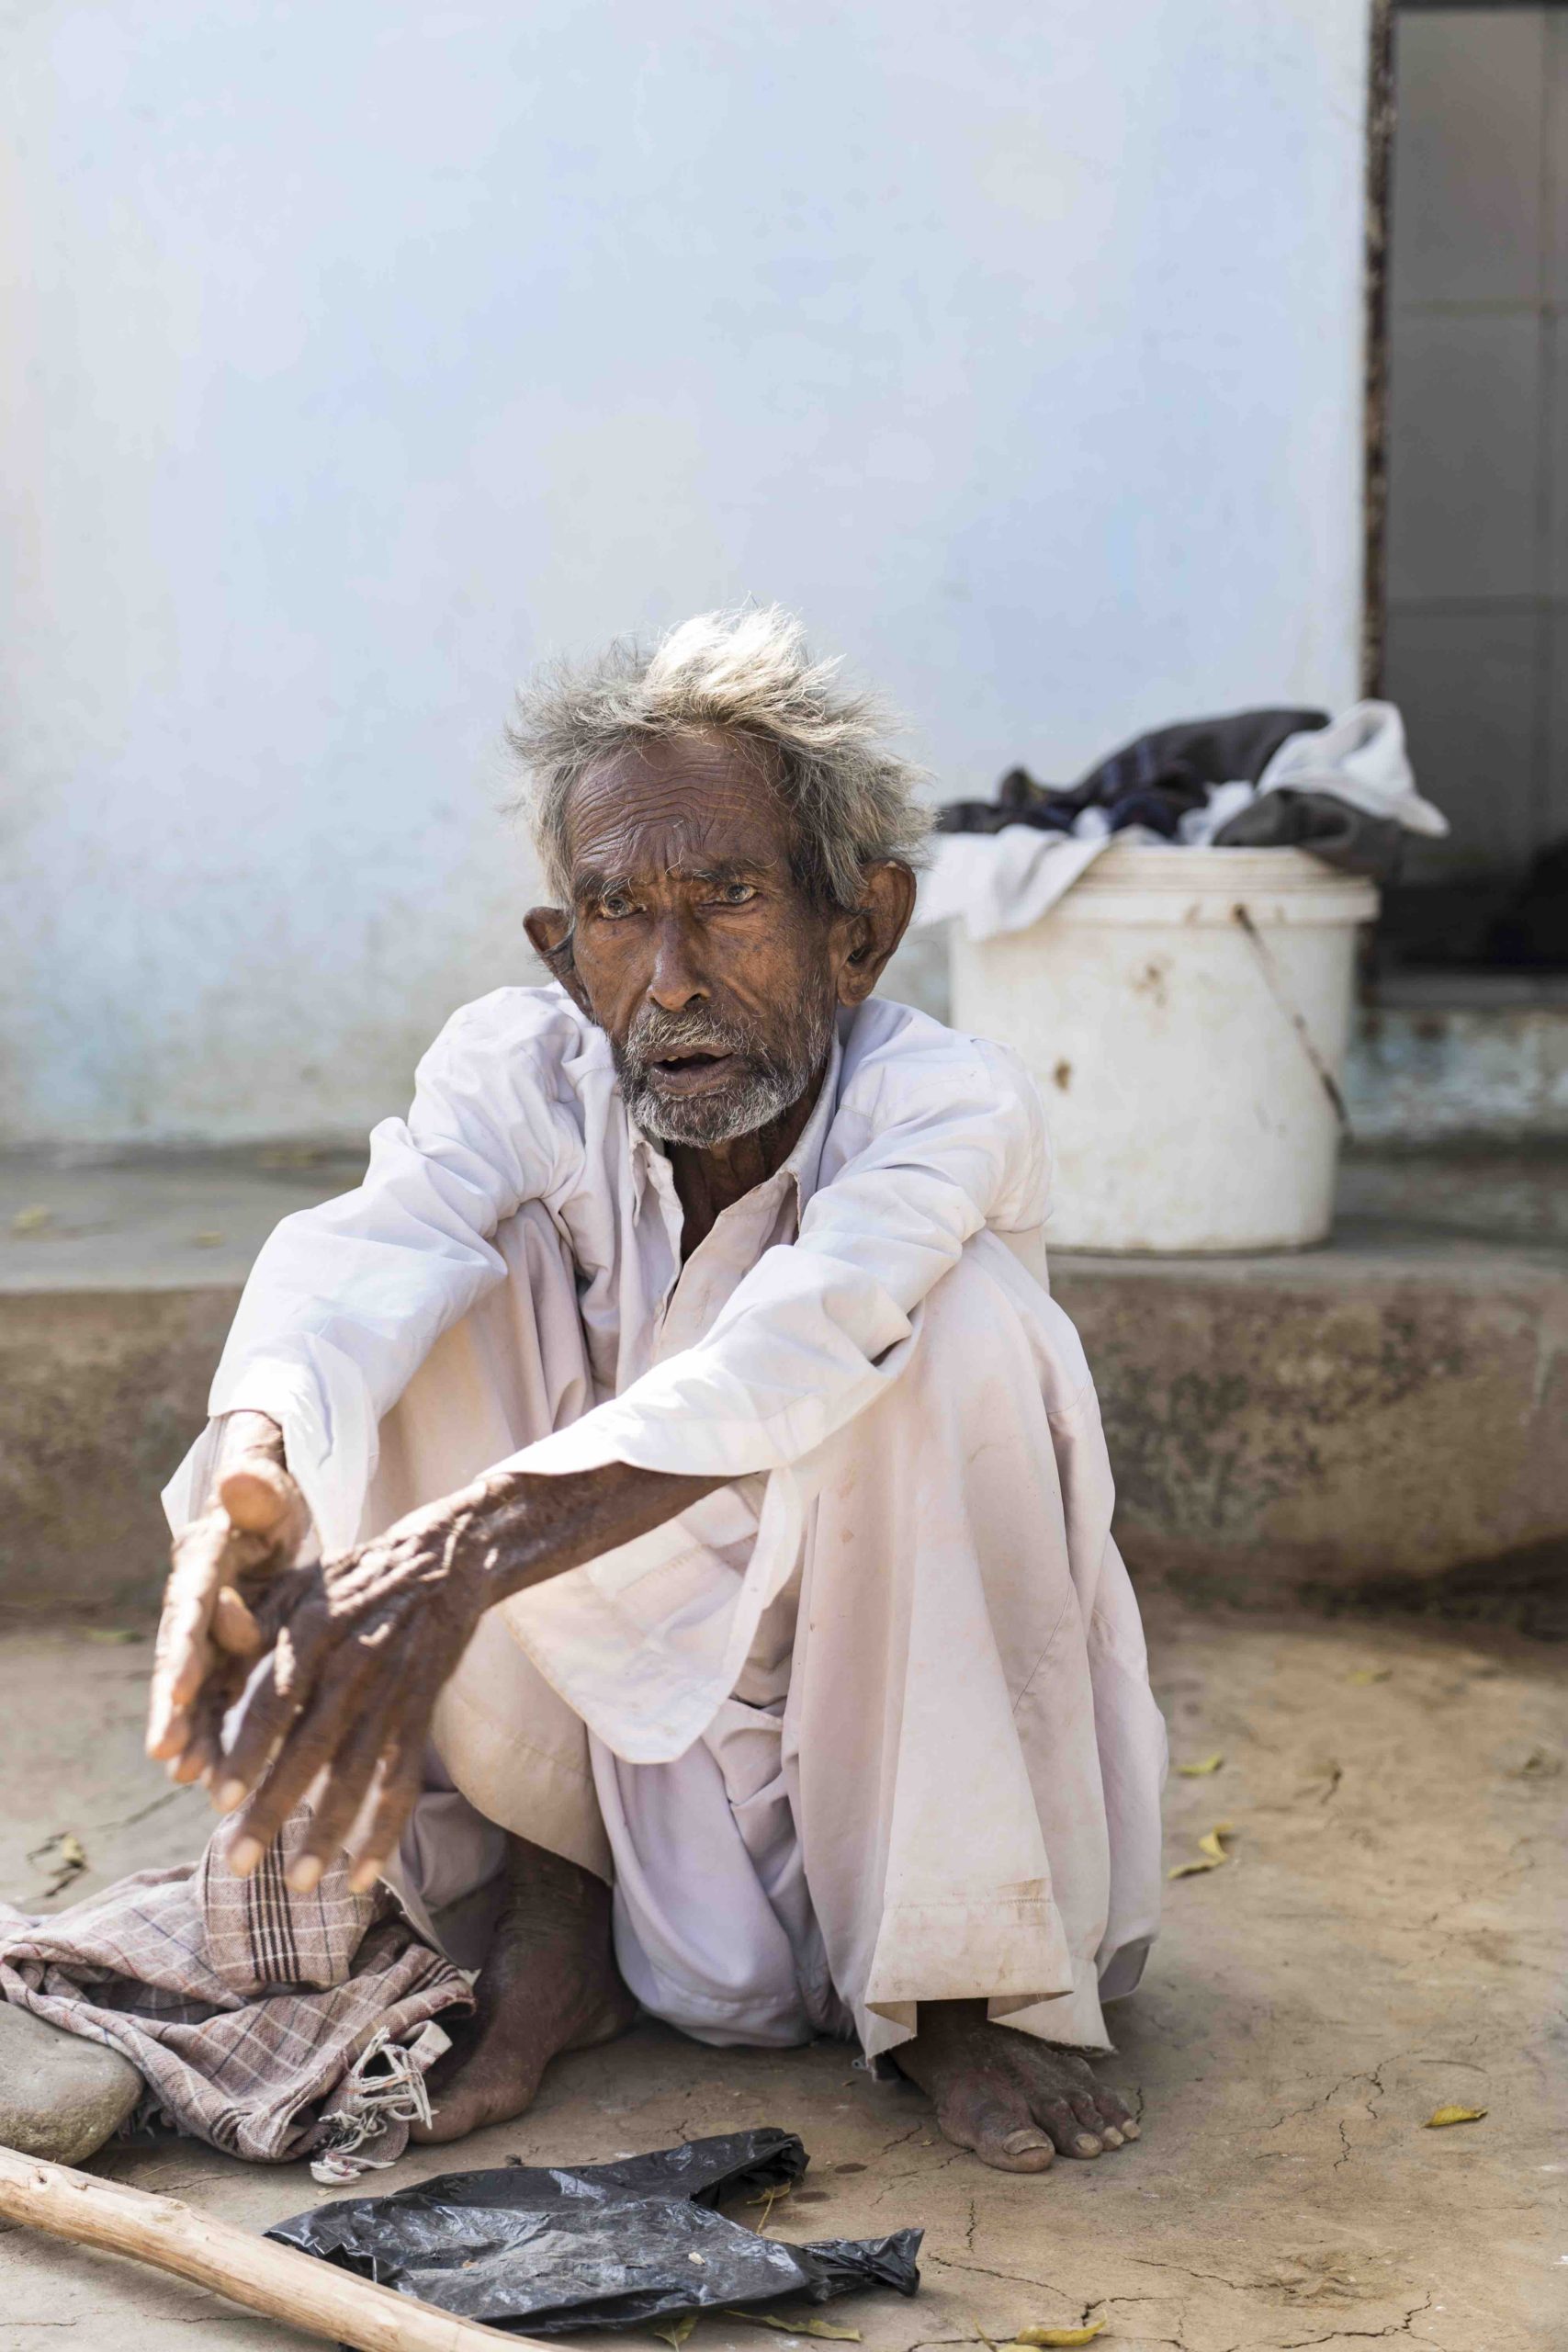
(1068, 2135)
(1096, 2125)
(1115, 2112)
(984, 2112)
(1025, 2150)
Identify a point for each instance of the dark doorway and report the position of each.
(1476, 623)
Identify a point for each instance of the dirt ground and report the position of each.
(1388, 1937)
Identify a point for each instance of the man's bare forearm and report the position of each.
(365, 1639)
(519, 1529)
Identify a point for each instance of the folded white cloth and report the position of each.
(1002, 881)
(1360, 757)
(1196, 828)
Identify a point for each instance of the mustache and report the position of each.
(655, 1034)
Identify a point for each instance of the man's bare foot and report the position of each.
(1017, 2102)
(549, 1983)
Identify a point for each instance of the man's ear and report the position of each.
(878, 923)
(549, 936)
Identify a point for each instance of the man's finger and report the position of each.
(309, 1744)
(281, 1688)
(261, 1497)
(207, 1556)
(233, 1627)
(192, 1587)
(177, 1678)
(342, 1794)
(286, 1625)
(403, 1777)
(203, 1746)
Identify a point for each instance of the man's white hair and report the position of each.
(825, 747)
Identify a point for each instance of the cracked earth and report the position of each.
(1387, 1939)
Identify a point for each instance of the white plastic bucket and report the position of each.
(1185, 1013)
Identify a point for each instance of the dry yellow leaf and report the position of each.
(1443, 2115)
(1060, 2334)
(207, 1240)
(70, 1860)
(32, 1220)
(1201, 1769)
(768, 2200)
(1371, 1674)
(800, 2326)
(1211, 1846)
(675, 2335)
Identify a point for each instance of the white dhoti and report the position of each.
(936, 1773)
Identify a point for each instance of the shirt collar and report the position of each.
(805, 1163)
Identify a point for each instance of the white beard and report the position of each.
(760, 1094)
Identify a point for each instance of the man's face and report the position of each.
(692, 944)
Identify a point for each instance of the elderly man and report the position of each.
(703, 1507)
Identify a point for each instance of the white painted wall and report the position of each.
(357, 355)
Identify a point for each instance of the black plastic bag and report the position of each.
(599, 2245)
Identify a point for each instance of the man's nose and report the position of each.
(677, 978)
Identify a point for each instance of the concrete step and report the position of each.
(1438, 1055)
(1388, 1408)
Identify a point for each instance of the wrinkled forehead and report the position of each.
(681, 801)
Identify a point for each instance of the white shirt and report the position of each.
(784, 1324)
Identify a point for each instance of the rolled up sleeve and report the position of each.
(345, 1300)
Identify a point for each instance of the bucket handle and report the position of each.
(1274, 982)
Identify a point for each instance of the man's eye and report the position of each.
(737, 894)
(616, 905)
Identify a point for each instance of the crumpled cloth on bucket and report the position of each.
(271, 2024)
(546, 2250)
(1005, 880)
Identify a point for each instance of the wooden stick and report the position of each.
(277, 2280)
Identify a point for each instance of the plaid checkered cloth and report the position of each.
(273, 2024)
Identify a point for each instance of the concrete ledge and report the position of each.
(1358, 1414)
(1390, 1408)
(1437, 1054)
(101, 1392)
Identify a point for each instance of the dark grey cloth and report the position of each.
(1152, 781)
(1331, 829)
(1185, 760)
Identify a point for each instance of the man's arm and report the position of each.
(347, 1298)
(360, 1646)
(949, 1138)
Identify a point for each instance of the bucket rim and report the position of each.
(1210, 872)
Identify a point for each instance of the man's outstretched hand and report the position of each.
(226, 1565)
(358, 1647)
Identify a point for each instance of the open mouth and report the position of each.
(694, 1066)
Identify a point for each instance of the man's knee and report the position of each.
(980, 1304)
(991, 1317)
